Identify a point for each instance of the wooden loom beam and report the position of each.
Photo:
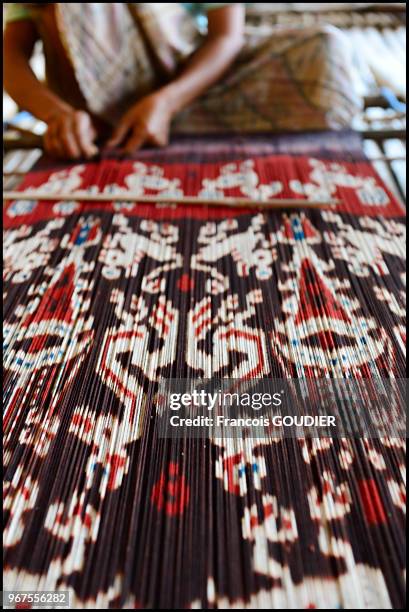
(231, 202)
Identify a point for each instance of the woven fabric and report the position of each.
(291, 80)
(104, 300)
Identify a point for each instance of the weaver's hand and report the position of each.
(147, 122)
(70, 135)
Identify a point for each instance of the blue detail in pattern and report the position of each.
(298, 230)
(82, 236)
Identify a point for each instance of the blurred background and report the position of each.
(377, 35)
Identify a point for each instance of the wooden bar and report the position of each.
(22, 142)
(14, 173)
(160, 199)
(400, 134)
(387, 159)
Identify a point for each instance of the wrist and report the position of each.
(56, 110)
(171, 96)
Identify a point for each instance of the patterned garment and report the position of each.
(104, 300)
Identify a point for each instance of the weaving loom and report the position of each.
(102, 300)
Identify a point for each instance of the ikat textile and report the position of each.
(101, 301)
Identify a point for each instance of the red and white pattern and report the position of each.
(102, 301)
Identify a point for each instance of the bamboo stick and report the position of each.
(160, 199)
(14, 173)
(387, 159)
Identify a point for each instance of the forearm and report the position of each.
(19, 80)
(28, 92)
(204, 69)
